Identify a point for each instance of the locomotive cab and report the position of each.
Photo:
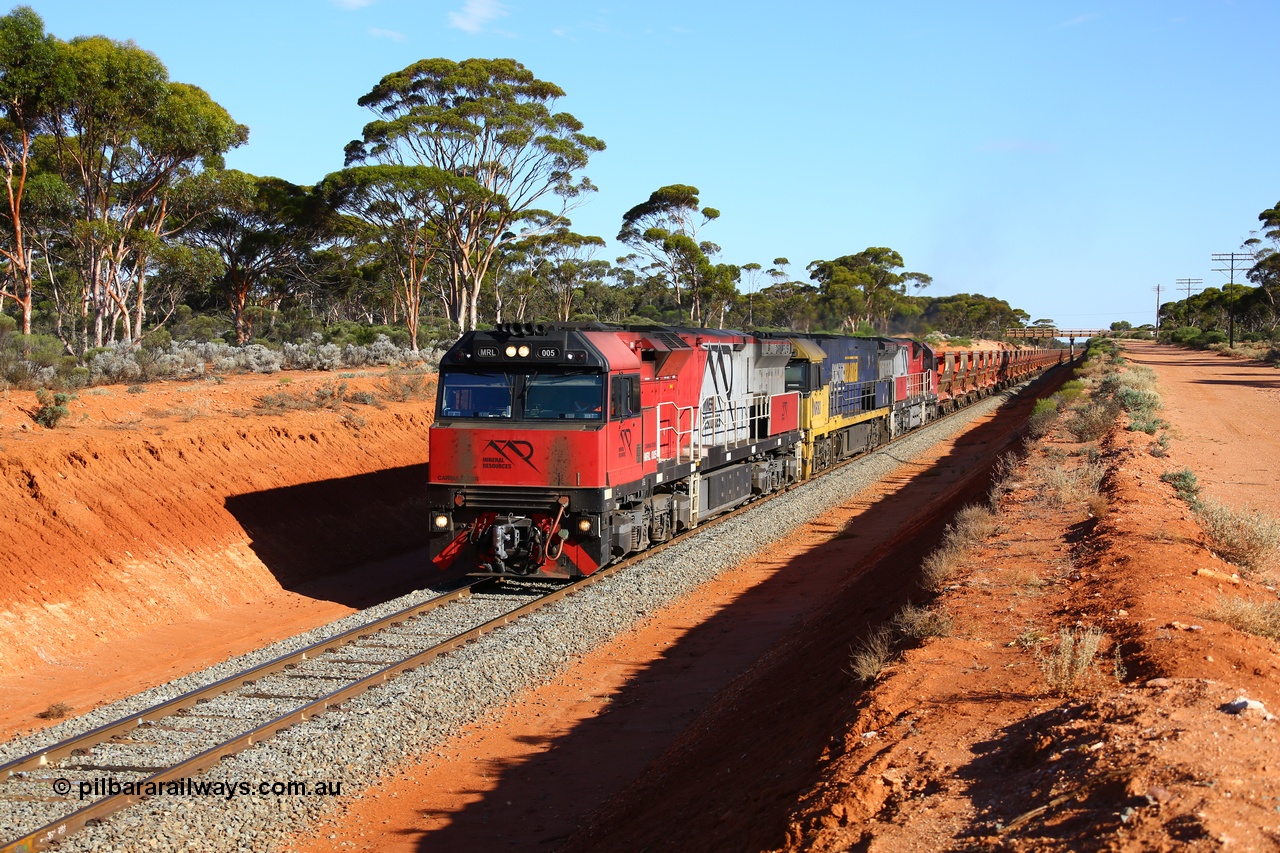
(518, 465)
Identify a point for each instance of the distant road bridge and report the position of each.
(1038, 332)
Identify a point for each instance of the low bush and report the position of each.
(1247, 537)
(1073, 662)
(1184, 482)
(53, 408)
(921, 623)
(1069, 392)
(1042, 418)
(1260, 618)
(400, 386)
(1091, 422)
(1211, 337)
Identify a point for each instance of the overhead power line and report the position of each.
(1232, 259)
(1188, 283)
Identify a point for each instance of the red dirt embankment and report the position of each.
(171, 504)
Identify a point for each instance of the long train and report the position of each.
(559, 449)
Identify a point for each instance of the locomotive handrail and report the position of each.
(727, 420)
(917, 384)
(693, 448)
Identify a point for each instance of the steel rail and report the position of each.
(57, 830)
(63, 748)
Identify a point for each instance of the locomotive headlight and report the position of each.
(523, 352)
(510, 351)
(584, 525)
(440, 521)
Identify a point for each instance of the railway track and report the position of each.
(179, 738)
(182, 737)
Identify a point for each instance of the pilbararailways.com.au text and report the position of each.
(227, 789)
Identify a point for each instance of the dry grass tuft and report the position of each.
(872, 654)
(1072, 664)
(969, 529)
(1261, 618)
(1066, 486)
(940, 567)
(402, 386)
(1004, 478)
(56, 711)
(1247, 537)
(921, 623)
(971, 526)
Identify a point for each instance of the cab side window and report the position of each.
(624, 397)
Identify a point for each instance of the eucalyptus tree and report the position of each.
(125, 138)
(262, 229)
(561, 261)
(395, 204)
(785, 304)
(866, 288)
(486, 130)
(663, 231)
(973, 314)
(719, 290)
(1266, 270)
(751, 274)
(29, 76)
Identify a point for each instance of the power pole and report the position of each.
(1231, 259)
(1157, 290)
(1188, 283)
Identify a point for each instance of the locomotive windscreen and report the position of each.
(475, 395)
(553, 395)
(563, 395)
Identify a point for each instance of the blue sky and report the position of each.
(1065, 157)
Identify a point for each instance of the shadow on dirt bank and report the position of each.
(710, 745)
(308, 532)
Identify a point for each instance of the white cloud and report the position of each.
(386, 34)
(475, 14)
(351, 4)
(1080, 19)
(1018, 146)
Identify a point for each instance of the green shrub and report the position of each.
(1091, 422)
(53, 408)
(1212, 337)
(1184, 482)
(1070, 391)
(1186, 335)
(1042, 418)
(1146, 422)
(1160, 447)
(1138, 400)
